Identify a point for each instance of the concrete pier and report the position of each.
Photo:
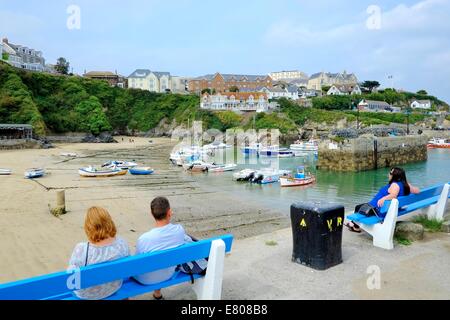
(369, 153)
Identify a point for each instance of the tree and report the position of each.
(5, 56)
(233, 89)
(92, 117)
(325, 89)
(422, 92)
(207, 90)
(62, 66)
(370, 85)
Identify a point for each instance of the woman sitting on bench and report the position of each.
(102, 246)
(398, 187)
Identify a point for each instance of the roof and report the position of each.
(381, 103)
(333, 75)
(16, 126)
(345, 87)
(229, 77)
(292, 89)
(161, 74)
(140, 73)
(99, 74)
(422, 101)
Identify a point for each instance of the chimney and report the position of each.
(5, 40)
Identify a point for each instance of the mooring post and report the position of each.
(375, 153)
(61, 199)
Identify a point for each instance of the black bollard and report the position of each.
(317, 234)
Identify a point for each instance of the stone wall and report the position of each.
(13, 144)
(359, 154)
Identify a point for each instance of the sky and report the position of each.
(408, 40)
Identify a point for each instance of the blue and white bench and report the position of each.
(59, 286)
(382, 230)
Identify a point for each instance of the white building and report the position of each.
(377, 106)
(288, 75)
(321, 79)
(290, 92)
(22, 57)
(344, 89)
(154, 81)
(237, 101)
(421, 104)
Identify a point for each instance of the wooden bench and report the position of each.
(382, 229)
(59, 286)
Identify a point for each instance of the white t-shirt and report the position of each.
(167, 237)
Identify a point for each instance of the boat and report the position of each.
(69, 155)
(119, 164)
(197, 166)
(244, 175)
(439, 143)
(91, 172)
(5, 172)
(251, 149)
(222, 168)
(141, 171)
(271, 151)
(216, 146)
(269, 175)
(34, 173)
(300, 179)
(285, 153)
(302, 146)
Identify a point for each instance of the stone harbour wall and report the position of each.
(368, 153)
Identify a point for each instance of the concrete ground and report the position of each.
(258, 271)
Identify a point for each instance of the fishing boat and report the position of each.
(244, 175)
(222, 168)
(302, 146)
(91, 172)
(439, 143)
(197, 166)
(300, 179)
(5, 172)
(141, 171)
(34, 173)
(119, 164)
(267, 176)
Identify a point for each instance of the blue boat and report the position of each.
(141, 171)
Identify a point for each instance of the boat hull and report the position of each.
(101, 174)
(292, 182)
(141, 171)
(34, 173)
(5, 172)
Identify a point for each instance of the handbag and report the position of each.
(367, 210)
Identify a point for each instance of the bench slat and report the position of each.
(52, 285)
(418, 205)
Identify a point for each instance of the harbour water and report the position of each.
(348, 189)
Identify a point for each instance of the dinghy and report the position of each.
(34, 173)
(197, 166)
(267, 176)
(222, 168)
(300, 179)
(244, 175)
(119, 164)
(141, 171)
(91, 172)
(5, 172)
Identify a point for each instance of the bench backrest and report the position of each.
(412, 198)
(51, 285)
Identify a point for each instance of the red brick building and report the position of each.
(223, 82)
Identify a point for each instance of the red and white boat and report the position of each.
(300, 179)
(439, 143)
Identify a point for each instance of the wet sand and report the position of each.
(34, 242)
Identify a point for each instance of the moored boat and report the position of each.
(267, 176)
(141, 171)
(34, 173)
(119, 164)
(244, 175)
(301, 146)
(91, 172)
(300, 179)
(439, 143)
(197, 166)
(222, 168)
(5, 172)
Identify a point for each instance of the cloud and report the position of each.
(412, 43)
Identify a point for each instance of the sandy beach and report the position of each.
(34, 242)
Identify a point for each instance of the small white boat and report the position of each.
(5, 172)
(69, 155)
(244, 175)
(439, 143)
(300, 146)
(301, 178)
(91, 172)
(119, 164)
(267, 176)
(197, 166)
(34, 173)
(222, 168)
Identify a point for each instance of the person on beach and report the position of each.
(102, 246)
(164, 236)
(398, 186)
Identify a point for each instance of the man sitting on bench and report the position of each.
(164, 236)
(398, 187)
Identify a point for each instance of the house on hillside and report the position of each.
(236, 101)
(344, 89)
(421, 104)
(377, 106)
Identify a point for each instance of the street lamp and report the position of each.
(392, 81)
